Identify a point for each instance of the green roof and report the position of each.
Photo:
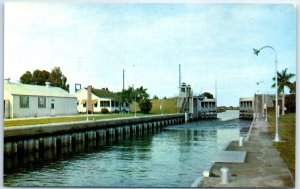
(35, 90)
(103, 93)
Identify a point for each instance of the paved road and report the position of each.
(263, 166)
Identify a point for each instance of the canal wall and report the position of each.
(263, 166)
(68, 137)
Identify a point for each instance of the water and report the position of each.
(174, 157)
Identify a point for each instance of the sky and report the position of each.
(93, 42)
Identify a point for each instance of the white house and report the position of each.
(99, 98)
(23, 100)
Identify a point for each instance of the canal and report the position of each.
(173, 157)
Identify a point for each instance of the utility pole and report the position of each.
(216, 92)
(179, 86)
(123, 79)
(179, 76)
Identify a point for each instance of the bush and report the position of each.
(104, 111)
(145, 106)
(290, 102)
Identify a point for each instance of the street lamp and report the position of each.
(276, 139)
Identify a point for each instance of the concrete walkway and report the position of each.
(263, 166)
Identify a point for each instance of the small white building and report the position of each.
(100, 98)
(23, 100)
(246, 108)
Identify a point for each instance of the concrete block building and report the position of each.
(23, 100)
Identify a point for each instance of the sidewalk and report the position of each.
(263, 165)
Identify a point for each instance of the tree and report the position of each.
(40, 77)
(155, 97)
(57, 79)
(128, 95)
(141, 94)
(207, 95)
(26, 78)
(293, 88)
(145, 106)
(283, 80)
(291, 102)
(137, 95)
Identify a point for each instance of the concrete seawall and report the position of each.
(263, 166)
(58, 137)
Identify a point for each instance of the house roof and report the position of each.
(103, 93)
(246, 99)
(208, 100)
(36, 90)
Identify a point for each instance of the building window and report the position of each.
(104, 103)
(96, 104)
(42, 102)
(24, 101)
(84, 104)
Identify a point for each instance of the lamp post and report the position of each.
(276, 139)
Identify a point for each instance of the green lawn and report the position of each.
(169, 106)
(82, 117)
(287, 133)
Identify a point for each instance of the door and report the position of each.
(52, 109)
(6, 109)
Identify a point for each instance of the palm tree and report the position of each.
(293, 88)
(283, 80)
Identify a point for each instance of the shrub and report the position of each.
(104, 111)
(145, 106)
(290, 102)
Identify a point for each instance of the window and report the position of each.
(112, 103)
(24, 101)
(42, 102)
(96, 104)
(84, 104)
(104, 103)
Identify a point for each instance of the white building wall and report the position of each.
(8, 111)
(82, 95)
(62, 106)
(65, 106)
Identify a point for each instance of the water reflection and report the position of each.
(174, 157)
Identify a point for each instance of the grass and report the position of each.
(287, 133)
(81, 117)
(169, 106)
